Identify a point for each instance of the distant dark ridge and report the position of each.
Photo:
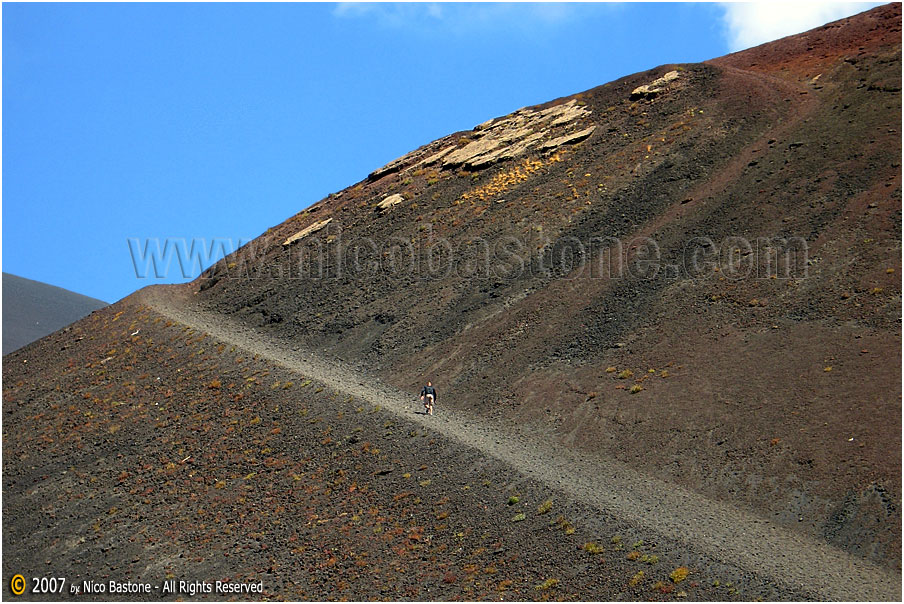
(32, 310)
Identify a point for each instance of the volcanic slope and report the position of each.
(256, 428)
(763, 350)
(32, 309)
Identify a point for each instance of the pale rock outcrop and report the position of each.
(471, 150)
(655, 87)
(390, 201)
(568, 138)
(513, 135)
(498, 139)
(307, 231)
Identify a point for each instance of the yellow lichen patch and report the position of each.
(504, 181)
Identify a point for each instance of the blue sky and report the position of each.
(156, 122)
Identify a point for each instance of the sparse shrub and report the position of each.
(638, 544)
(650, 559)
(593, 548)
(664, 588)
(664, 373)
(425, 483)
(513, 500)
(636, 579)
(633, 555)
(544, 507)
(636, 388)
(287, 385)
(518, 517)
(564, 524)
(616, 540)
(215, 385)
(679, 574)
(627, 373)
(549, 583)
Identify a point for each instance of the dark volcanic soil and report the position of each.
(213, 463)
(228, 463)
(734, 409)
(784, 387)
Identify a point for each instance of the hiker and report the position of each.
(428, 395)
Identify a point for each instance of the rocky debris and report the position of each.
(471, 151)
(435, 157)
(569, 114)
(494, 140)
(568, 138)
(400, 163)
(393, 166)
(655, 87)
(388, 202)
(513, 135)
(307, 231)
(509, 152)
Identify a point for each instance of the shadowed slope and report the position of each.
(32, 309)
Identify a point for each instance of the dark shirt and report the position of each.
(429, 390)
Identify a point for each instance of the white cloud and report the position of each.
(462, 17)
(753, 23)
(390, 14)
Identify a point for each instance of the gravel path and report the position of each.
(791, 560)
